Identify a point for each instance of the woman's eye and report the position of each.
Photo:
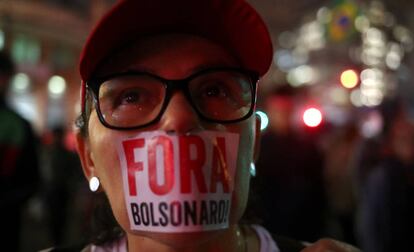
(129, 97)
(215, 91)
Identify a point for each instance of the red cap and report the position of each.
(233, 24)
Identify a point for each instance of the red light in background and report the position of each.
(70, 141)
(349, 78)
(312, 117)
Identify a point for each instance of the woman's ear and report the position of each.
(84, 153)
(257, 138)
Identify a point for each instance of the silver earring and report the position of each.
(252, 169)
(94, 184)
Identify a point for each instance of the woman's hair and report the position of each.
(81, 122)
(104, 227)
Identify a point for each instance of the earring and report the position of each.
(94, 184)
(252, 169)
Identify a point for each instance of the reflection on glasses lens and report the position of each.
(130, 100)
(222, 95)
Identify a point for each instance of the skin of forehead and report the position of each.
(141, 55)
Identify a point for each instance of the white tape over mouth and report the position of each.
(178, 183)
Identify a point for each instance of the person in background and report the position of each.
(341, 180)
(289, 171)
(388, 192)
(19, 171)
(61, 185)
(167, 135)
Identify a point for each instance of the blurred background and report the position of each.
(337, 108)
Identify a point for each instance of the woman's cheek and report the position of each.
(242, 178)
(111, 181)
(107, 167)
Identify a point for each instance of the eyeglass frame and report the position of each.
(94, 84)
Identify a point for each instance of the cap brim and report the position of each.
(234, 24)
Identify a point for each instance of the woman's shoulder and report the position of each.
(276, 243)
(268, 243)
(77, 248)
(117, 245)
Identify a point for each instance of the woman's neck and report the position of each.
(233, 239)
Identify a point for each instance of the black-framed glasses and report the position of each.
(131, 100)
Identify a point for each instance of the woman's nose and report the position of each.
(179, 116)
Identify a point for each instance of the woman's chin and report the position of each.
(179, 240)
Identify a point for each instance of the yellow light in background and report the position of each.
(56, 86)
(349, 78)
(20, 83)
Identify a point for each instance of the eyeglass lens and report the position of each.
(137, 99)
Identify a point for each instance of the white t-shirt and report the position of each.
(267, 244)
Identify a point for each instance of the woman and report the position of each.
(167, 130)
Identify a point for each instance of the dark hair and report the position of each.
(81, 122)
(104, 227)
(6, 64)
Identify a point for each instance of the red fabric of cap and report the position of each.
(234, 24)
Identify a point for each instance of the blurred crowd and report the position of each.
(44, 199)
(336, 181)
(325, 181)
(57, 210)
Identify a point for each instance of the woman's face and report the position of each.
(172, 56)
